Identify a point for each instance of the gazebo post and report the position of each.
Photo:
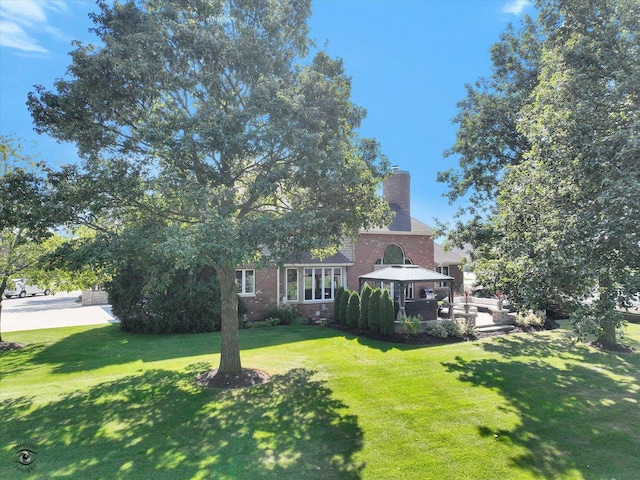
(401, 312)
(451, 316)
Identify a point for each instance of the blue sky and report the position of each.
(409, 61)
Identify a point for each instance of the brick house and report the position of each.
(311, 284)
(450, 263)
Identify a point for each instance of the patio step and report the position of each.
(494, 328)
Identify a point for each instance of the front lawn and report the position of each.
(94, 402)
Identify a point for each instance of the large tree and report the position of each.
(243, 144)
(564, 225)
(26, 214)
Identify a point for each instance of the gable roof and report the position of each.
(449, 257)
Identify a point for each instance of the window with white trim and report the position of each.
(393, 255)
(445, 271)
(321, 283)
(292, 284)
(246, 281)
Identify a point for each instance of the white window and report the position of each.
(246, 281)
(445, 271)
(292, 284)
(321, 283)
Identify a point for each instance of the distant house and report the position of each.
(452, 263)
(310, 284)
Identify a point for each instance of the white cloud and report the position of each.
(13, 36)
(22, 20)
(515, 7)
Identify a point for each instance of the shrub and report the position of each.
(344, 304)
(374, 310)
(530, 318)
(387, 320)
(449, 328)
(437, 329)
(363, 320)
(148, 293)
(411, 325)
(353, 310)
(455, 328)
(285, 315)
(174, 301)
(336, 304)
(269, 322)
(300, 321)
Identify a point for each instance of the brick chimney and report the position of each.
(396, 189)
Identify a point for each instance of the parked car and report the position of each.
(21, 289)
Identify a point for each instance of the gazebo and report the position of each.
(403, 274)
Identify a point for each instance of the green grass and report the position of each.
(99, 403)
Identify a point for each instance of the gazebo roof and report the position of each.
(406, 273)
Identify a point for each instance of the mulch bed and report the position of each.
(247, 378)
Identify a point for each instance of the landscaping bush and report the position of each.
(437, 329)
(363, 320)
(374, 310)
(449, 328)
(455, 328)
(285, 315)
(387, 317)
(344, 304)
(176, 301)
(411, 325)
(336, 304)
(353, 310)
(530, 319)
(268, 322)
(300, 321)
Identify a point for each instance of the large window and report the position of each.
(292, 284)
(246, 281)
(321, 283)
(393, 255)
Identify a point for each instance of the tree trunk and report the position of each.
(608, 334)
(1, 293)
(608, 322)
(229, 343)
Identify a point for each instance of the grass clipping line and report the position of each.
(246, 378)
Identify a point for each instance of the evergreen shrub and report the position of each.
(363, 319)
(344, 303)
(353, 310)
(336, 304)
(374, 310)
(387, 320)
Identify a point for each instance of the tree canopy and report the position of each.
(561, 222)
(213, 115)
(27, 214)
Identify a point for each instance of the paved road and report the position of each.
(59, 310)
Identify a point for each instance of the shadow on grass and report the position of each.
(578, 408)
(159, 424)
(108, 345)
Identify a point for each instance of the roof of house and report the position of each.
(402, 222)
(450, 257)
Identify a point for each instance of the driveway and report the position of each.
(59, 310)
